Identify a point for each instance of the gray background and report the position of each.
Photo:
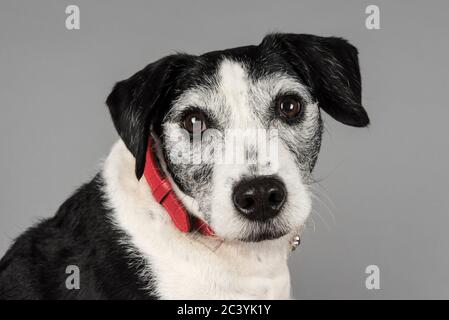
(383, 190)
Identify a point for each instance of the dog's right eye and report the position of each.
(195, 121)
(289, 107)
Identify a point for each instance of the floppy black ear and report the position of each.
(331, 68)
(135, 102)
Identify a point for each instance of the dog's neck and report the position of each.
(186, 264)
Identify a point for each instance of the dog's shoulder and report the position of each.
(16, 269)
(79, 241)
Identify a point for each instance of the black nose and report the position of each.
(259, 199)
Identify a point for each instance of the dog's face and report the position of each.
(240, 129)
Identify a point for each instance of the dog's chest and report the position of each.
(223, 274)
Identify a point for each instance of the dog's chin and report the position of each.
(263, 236)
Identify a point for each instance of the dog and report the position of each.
(155, 225)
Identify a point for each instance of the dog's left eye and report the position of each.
(288, 107)
(195, 121)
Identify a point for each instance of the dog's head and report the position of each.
(240, 129)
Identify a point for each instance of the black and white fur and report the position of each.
(124, 242)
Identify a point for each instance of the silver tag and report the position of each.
(295, 242)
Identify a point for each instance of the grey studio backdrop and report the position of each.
(383, 191)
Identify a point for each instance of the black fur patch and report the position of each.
(80, 234)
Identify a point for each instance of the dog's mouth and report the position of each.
(263, 236)
(269, 230)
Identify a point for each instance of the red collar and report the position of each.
(163, 193)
